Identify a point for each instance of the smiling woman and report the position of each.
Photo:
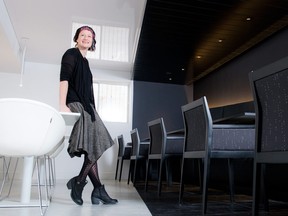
(89, 136)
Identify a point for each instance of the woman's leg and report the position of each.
(99, 193)
(94, 175)
(86, 167)
(78, 183)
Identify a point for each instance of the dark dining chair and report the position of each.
(270, 93)
(124, 152)
(162, 148)
(205, 140)
(139, 153)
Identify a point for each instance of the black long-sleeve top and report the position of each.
(75, 69)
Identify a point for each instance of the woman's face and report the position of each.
(85, 39)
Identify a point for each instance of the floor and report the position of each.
(218, 203)
(130, 203)
(135, 201)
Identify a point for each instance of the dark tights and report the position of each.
(91, 169)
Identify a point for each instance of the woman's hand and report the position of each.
(64, 108)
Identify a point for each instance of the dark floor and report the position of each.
(218, 202)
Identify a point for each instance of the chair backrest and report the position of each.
(121, 149)
(270, 91)
(197, 125)
(135, 142)
(29, 128)
(158, 136)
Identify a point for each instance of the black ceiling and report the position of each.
(183, 40)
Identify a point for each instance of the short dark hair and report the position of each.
(93, 46)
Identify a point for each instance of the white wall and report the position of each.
(41, 82)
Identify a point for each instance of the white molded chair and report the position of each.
(52, 167)
(5, 165)
(31, 130)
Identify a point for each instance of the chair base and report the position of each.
(15, 204)
(31, 204)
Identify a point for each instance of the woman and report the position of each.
(89, 136)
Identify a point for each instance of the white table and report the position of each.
(28, 163)
(70, 118)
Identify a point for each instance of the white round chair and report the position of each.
(29, 129)
(52, 168)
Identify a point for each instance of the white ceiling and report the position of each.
(47, 25)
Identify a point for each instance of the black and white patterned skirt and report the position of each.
(87, 137)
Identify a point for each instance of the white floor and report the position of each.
(130, 203)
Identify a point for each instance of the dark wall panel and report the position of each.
(155, 100)
(230, 84)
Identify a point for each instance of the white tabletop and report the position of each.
(70, 117)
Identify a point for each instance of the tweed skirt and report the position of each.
(87, 137)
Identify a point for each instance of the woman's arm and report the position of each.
(63, 95)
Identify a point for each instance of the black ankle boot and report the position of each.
(76, 190)
(100, 195)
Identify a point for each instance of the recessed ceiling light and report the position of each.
(198, 56)
(220, 40)
(248, 18)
